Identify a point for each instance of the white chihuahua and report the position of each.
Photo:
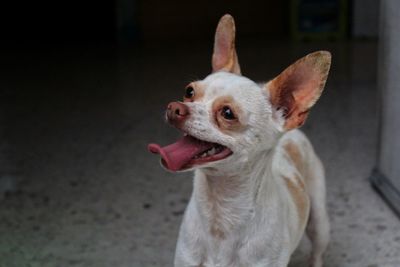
(258, 183)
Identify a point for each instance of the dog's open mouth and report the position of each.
(188, 152)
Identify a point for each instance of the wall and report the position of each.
(389, 86)
(193, 20)
(365, 18)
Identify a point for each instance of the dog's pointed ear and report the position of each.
(224, 57)
(297, 88)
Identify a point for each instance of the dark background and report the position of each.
(57, 21)
(74, 21)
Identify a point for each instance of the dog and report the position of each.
(258, 184)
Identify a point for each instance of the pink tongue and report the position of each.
(175, 156)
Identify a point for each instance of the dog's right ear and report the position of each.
(298, 87)
(224, 57)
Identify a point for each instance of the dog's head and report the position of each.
(227, 119)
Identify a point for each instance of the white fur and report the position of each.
(244, 198)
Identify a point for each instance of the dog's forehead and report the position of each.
(223, 83)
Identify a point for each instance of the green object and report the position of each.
(316, 20)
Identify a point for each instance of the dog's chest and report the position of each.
(259, 239)
(234, 230)
(222, 209)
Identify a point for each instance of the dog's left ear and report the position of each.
(297, 88)
(224, 57)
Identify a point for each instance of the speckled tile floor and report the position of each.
(88, 194)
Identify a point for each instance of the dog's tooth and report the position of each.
(211, 151)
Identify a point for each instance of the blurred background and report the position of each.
(83, 87)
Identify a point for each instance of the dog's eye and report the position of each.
(189, 93)
(227, 113)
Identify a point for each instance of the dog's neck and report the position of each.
(227, 200)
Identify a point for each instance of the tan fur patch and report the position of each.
(300, 199)
(295, 155)
(224, 124)
(217, 233)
